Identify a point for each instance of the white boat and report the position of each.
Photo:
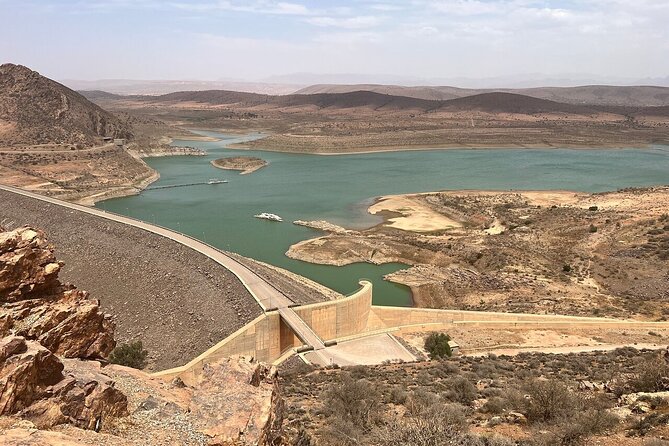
(215, 181)
(268, 216)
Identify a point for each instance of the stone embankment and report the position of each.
(177, 301)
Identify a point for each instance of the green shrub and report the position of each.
(130, 355)
(436, 345)
(593, 228)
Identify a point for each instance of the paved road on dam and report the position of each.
(267, 296)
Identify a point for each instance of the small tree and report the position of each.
(593, 229)
(130, 355)
(436, 345)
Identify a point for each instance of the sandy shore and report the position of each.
(414, 215)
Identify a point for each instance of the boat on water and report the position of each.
(216, 181)
(268, 216)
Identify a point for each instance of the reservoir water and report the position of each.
(339, 189)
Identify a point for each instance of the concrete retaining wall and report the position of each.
(268, 337)
(265, 339)
(420, 318)
(341, 317)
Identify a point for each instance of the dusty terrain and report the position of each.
(603, 254)
(530, 399)
(245, 164)
(362, 121)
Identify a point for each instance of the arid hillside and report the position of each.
(57, 142)
(553, 252)
(36, 110)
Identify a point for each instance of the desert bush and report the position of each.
(643, 425)
(461, 390)
(397, 395)
(353, 401)
(129, 355)
(421, 400)
(578, 426)
(339, 432)
(649, 376)
(548, 400)
(436, 425)
(494, 406)
(592, 229)
(436, 345)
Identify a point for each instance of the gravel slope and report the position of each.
(175, 300)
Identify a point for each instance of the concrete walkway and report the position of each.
(367, 351)
(267, 296)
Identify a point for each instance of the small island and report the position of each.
(246, 164)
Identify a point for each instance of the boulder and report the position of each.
(32, 385)
(237, 401)
(37, 306)
(26, 371)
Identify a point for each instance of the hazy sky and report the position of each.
(212, 39)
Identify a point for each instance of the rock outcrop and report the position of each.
(33, 386)
(44, 322)
(37, 306)
(236, 402)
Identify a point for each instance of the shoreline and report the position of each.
(431, 148)
(259, 164)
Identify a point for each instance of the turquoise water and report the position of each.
(339, 189)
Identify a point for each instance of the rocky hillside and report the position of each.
(37, 306)
(36, 110)
(56, 388)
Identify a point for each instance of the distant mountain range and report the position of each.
(528, 80)
(493, 102)
(590, 94)
(158, 87)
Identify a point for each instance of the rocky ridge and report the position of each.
(56, 387)
(37, 306)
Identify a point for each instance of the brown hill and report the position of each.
(36, 110)
(495, 102)
(639, 96)
(353, 99)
